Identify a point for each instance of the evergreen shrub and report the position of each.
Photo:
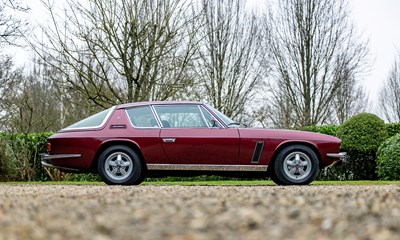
(393, 129)
(388, 159)
(361, 136)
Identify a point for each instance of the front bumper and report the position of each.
(342, 156)
(45, 161)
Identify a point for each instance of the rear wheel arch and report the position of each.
(109, 144)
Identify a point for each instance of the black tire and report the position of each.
(273, 177)
(120, 165)
(295, 165)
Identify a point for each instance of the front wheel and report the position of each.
(296, 165)
(120, 165)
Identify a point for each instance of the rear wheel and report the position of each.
(120, 165)
(295, 165)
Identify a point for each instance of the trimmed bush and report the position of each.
(388, 159)
(362, 133)
(361, 136)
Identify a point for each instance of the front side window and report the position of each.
(212, 122)
(224, 118)
(181, 116)
(142, 117)
(94, 121)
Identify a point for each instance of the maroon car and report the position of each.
(129, 142)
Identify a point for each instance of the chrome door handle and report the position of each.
(168, 140)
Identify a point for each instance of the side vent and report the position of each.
(257, 151)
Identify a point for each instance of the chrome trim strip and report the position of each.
(155, 114)
(208, 167)
(46, 164)
(58, 156)
(204, 118)
(118, 126)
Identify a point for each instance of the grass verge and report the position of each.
(215, 183)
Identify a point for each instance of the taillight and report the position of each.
(48, 147)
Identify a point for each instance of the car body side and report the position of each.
(240, 144)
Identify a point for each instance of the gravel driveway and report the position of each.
(199, 212)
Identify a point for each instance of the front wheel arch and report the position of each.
(281, 176)
(287, 144)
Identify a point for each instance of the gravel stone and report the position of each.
(199, 212)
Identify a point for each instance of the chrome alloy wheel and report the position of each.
(297, 165)
(118, 166)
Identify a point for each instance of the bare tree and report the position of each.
(31, 108)
(349, 100)
(32, 102)
(9, 80)
(29, 105)
(315, 53)
(8, 76)
(389, 96)
(11, 26)
(227, 67)
(120, 51)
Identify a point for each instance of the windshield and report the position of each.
(224, 118)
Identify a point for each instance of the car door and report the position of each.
(188, 138)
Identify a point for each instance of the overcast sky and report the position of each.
(378, 20)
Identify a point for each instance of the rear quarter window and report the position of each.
(142, 117)
(95, 121)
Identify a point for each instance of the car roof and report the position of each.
(135, 104)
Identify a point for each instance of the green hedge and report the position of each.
(329, 129)
(20, 160)
(20, 156)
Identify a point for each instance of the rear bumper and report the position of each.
(46, 156)
(45, 161)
